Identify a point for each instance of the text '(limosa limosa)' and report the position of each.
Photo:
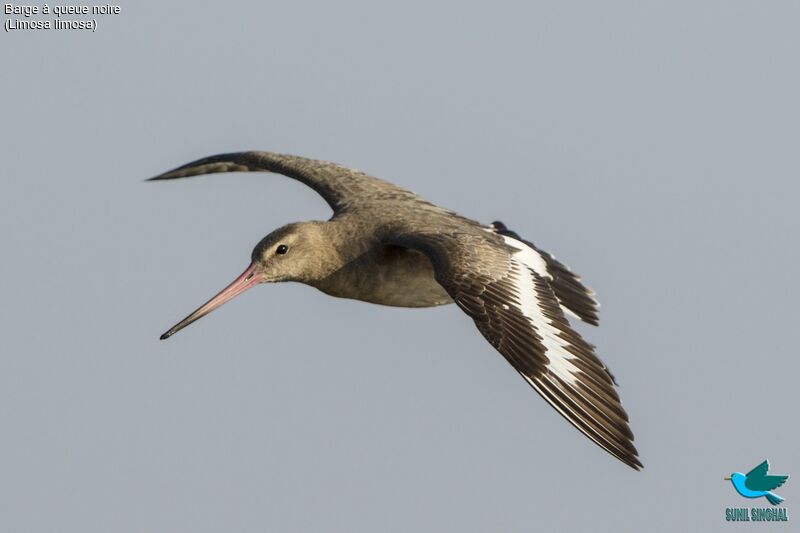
(386, 245)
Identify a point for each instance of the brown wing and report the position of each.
(505, 291)
(340, 186)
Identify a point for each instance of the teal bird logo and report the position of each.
(757, 483)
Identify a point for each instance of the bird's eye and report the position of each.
(282, 249)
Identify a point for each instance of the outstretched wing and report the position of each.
(505, 291)
(340, 186)
(757, 478)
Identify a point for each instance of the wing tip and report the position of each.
(229, 162)
(633, 462)
(629, 455)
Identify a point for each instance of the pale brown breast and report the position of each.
(388, 275)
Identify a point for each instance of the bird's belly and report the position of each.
(392, 276)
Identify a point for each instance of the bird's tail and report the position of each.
(774, 499)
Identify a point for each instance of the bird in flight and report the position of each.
(386, 245)
(757, 483)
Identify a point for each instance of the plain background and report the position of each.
(653, 148)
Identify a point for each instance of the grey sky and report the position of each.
(652, 147)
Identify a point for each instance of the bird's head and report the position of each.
(736, 477)
(296, 252)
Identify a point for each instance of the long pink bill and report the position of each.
(248, 279)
